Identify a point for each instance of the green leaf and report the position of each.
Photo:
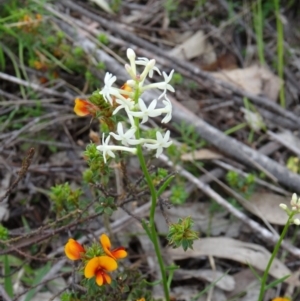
(164, 185)
(38, 278)
(2, 59)
(254, 272)
(8, 277)
(275, 282)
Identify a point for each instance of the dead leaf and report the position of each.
(44, 296)
(103, 4)
(228, 248)
(267, 206)
(189, 292)
(179, 37)
(245, 282)
(254, 79)
(201, 154)
(94, 136)
(222, 281)
(195, 46)
(226, 61)
(288, 139)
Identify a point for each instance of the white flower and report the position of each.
(160, 143)
(124, 103)
(125, 138)
(167, 110)
(145, 112)
(165, 85)
(143, 61)
(107, 149)
(127, 104)
(109, 79)
(161, 85)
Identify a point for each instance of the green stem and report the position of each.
(154, 236)
(277, 246)
(280, 51)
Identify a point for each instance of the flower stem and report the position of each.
(154, 236)
(275, 251)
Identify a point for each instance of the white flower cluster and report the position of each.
(295, 206)
(131, 102)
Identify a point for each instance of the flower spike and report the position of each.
(129, 99)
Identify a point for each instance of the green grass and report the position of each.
(280, 51)
(258, 24)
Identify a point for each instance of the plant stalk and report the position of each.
(154, 236)
(275, 251)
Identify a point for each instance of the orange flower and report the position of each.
(98, 267)
(74, 249)
(84, 107)
(281, 299)
(127, 88)
(117, 253)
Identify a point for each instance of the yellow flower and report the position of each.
(74, 250)
(98, 267)
(281, 299)
(117, 253)
(142, 299)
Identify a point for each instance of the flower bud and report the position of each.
(130, 54)
(296, 221)
(283, 206)
(147, 69)
(294, 199)
(74, 249)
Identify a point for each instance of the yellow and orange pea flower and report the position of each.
(281, 299)
(117, 253)
(98, 267)
(74, 250)
(83, 107)
(127, 88)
